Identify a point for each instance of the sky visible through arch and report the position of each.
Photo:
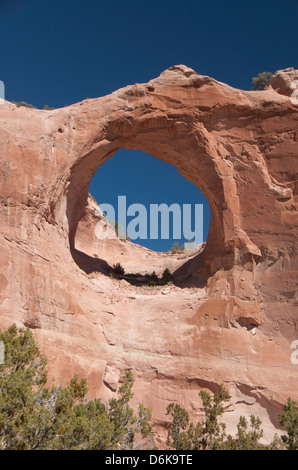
(147, 181)
(57, 53)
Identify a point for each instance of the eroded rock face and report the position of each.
(230, 316)
(285, 81)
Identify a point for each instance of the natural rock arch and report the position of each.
(147, 118)
(201, 165)
(240, 148)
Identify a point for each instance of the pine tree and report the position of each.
(289, 419)
(261, 81)
(34, 417)
(208, 434)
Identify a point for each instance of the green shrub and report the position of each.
(23, 103)
(261, 81)
(33, 417)
(175, 248)
(289, 419)
(153, 279)
(166, 276)
(118, 269)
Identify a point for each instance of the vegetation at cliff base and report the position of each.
(36, 417)
(210, 433)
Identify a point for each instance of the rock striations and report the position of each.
(231, 314)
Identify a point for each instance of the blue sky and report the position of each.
(60, 52)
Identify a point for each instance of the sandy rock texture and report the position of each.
(231, 314)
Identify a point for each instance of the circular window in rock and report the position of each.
(143, 220)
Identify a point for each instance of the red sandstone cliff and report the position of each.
(231, 314)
